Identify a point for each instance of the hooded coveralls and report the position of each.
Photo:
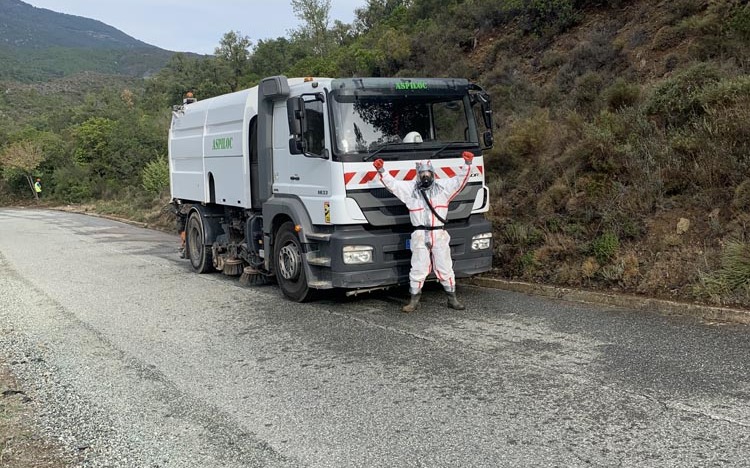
(429, 243)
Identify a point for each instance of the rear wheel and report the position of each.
(201, 257)
(289, 264)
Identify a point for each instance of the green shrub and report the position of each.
(622, 94)
(741, 200)
(612, 273)
(714, 151)
(605, 247)
(600, 53)
(521, 235)
(71, 184)
(680, 9)
(155, 176)
(601, 143)
(621, 223)
(739, 23)
(496, 185)
(528, 262)
(731, 282)
(727, 92)
(667, 38)
(550, 17)
(530, 137)
(677, 100)
(586, 92)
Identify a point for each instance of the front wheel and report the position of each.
(201, 257)
(289, 265)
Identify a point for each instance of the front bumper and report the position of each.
(392, 260)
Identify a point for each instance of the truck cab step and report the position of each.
(318, 261)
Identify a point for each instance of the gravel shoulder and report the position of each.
(22, 444)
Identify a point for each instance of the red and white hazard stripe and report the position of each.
(368, 179)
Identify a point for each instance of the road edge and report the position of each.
(627, 301)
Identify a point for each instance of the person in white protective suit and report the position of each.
(429, 241)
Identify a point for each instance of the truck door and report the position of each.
(308, 177)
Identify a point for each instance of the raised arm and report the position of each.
(402, 189)
(455, 184)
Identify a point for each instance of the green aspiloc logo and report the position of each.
(411, 85)
(222, 143)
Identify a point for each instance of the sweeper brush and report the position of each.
(232, 267)
(253, 277)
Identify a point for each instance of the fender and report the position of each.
(211, 222)
(292, 207)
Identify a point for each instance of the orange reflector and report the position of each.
(297, 228)
(308, 78)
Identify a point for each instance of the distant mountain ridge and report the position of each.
(37, 44)
(26, 26)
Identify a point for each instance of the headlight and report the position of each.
(481, 241)
(357, 254)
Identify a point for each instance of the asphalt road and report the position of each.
(133, 360)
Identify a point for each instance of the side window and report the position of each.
(315, 134)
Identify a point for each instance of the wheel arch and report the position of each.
(286, 208)
(282, 209)
(211, 222)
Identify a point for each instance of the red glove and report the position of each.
(378, 163)
(468, 156)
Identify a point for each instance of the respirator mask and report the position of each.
(426, 174)
(425, 180)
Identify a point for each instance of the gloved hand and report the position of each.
(468, 157)
(378, 163)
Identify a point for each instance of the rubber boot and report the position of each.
(453, 302)
(412, 305)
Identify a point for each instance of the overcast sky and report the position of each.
(194, 25)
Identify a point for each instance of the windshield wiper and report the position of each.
(381, 148)
(446, 146)
(433, 155)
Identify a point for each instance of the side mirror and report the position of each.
(486, 110)
(296, 115)
(295, 110)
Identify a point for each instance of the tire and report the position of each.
(200, 255)
(289, 264)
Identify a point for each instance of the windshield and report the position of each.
(365, 123)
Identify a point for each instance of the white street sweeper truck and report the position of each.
(276, 181)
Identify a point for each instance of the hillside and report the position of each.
(622, 157)
(37, 44)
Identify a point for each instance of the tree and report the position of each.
(234, 53)
(155, 176)
(25, 157)
(316, 15)
(377, 12)
(274, 57)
